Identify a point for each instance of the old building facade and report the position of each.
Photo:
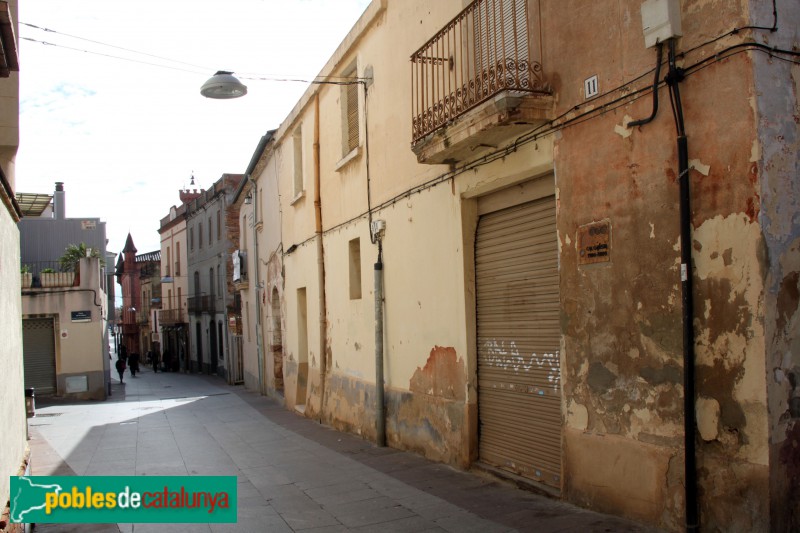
(65, 333)
(138, 277)
(560, 279)
(211, 244)
(173, 317)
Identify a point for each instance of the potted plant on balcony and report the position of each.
(73, 254)
(50, 278)
(27, 277)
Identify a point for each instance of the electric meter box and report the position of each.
(661, 20)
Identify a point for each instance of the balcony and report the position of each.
(474, 84)
(171, 317)
(143, 317)
(46, 275)
(240, 282)
(202, 304)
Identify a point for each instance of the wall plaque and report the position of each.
(594, 243)
(81, 316)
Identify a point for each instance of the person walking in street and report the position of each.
(133, 362)
(153, 356)
(120, 364)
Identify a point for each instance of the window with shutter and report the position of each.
(351, 134)
(352, 117)
(297, 145)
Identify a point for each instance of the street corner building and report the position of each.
(554, 240)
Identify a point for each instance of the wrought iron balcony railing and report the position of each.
(170, 317)
(483, 51)
(202, 304)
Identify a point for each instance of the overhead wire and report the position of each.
(131, 60)
(49, 30)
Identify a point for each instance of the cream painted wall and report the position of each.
(249, 297)
(173, 237)
(79, 345)
(424, 245)
(301, 272)
(12, 397)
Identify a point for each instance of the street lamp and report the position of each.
(222, 86)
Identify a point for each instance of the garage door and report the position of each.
(39, 354)
(519, 376)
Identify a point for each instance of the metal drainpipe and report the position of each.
(380, 408)
(259, 327)
(323, 341)
(673, 79)
(690, 461)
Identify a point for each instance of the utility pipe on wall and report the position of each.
(690, 461)
(259, 326)
(673, 79)
(323, 340)
(380, 409)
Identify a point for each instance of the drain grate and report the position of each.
(48, 415)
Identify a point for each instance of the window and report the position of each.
(191, 238)
(355, 269)
(168, 263)
(219, 227)
(180, 298)
(297, 143)
(169, 299)
(244, 232)
(210, 231)
(302, 326)
(350, 119)
(211, 283)
(197, 291)
(177, 258)
(200, 234)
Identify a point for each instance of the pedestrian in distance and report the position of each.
(133, 362)
(154, 360)
(120, 364)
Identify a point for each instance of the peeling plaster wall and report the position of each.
(775, 156)
(622, 367)
(424, 328)
(621, 320)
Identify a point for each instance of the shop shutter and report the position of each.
(519, 385)
(39, 354)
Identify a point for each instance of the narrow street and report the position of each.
(294, 474)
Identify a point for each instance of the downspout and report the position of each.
(259, 327)
(689, 418)
(375, 236)
(380, 414)
(323, 340)
(673, 78)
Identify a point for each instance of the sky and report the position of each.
(111, 106)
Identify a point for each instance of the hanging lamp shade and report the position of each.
(223, 85)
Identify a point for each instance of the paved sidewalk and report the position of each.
(294, 474)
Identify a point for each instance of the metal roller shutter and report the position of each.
(39, 355)
(519, 372)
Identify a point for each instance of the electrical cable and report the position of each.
(656, 81)
(48, 30)
(110, 56)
